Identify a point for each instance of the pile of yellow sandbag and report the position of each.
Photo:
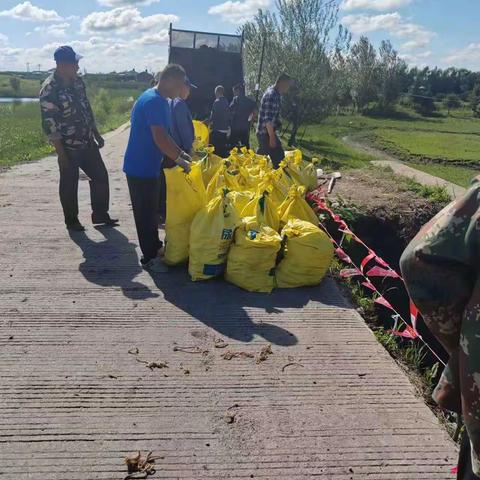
(241, 218)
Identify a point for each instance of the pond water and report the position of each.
(17, 100)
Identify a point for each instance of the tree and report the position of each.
(364, 73)
(392, 74)
(451, 101)
(475, 100)
(300, 38)
(15, 84)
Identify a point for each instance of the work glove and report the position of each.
(184, 161)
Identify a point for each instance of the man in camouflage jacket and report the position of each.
(441, 268)
(68, 122)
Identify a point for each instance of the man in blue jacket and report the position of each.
(149, 142)
(182, 124)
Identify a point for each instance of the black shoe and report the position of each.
(75, 227)
(104, 220)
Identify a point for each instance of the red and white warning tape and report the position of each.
(380, 269)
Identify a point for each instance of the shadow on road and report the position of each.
(229, 310)
(112, 262)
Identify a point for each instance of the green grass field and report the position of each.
(445, 146)
(28, 88)
(21, 136)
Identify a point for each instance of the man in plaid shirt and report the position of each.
(269, 120)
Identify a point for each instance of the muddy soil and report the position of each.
(383, 212)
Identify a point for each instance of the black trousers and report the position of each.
(465, 460)
(220, 141)
(240, 138)
(145, 194)
(276, 154)
(90, 161)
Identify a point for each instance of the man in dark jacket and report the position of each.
(182, 124)
(68, 122)
(220, 123)
(242, 109)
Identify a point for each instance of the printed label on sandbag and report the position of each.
(213, 270)
(227, 234)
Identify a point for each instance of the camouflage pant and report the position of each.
(442, 275)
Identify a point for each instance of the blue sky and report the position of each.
(121, 34)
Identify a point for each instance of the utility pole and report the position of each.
(259, 78)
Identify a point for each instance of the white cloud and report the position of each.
(125, 20)
(123, 3)
(3, 39)
(159, 38)
(27, 12)
(238, 11)
(420, 59)
(101, 54)
(380, 5)
(58, 30)
(467, 57)
(415, 35)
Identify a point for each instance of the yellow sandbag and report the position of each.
(210, 164)
(308, 255)
(295, 206)
(264, 210)
(185, 197)
(216, 184)
(278, 188)
(252, 257)
(234, 180)
(211, 234)
(310, 173)
(201, 135)
(240, 200)
(303, 172)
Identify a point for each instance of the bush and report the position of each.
(424, 105)
(452, 101)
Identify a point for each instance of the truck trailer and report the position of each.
(210, 59)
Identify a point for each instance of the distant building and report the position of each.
(144, 77)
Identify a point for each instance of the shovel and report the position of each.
(334, 177)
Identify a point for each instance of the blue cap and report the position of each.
(189, 84)
(66, 54)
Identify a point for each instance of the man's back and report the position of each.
(143, 159)
(220, 115)
(182, 124)
(241, 109)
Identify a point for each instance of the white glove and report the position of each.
(184, 161)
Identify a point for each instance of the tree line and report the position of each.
(306, 39)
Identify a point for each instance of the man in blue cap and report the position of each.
(68, 122)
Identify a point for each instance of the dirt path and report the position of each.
(386, 160)
(76, 396)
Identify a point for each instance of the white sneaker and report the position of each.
(155, 265)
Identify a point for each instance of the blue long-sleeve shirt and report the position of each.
(182, 125)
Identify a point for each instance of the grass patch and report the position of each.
(434, 194)
(459, 175)
(325, 142)
(28, 88)
(437, 146)
(21, 136)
